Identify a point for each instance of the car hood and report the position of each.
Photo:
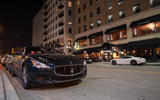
(58, 59)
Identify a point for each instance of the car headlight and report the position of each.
(84, 62)
(38, 64)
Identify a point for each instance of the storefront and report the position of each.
(96, 38)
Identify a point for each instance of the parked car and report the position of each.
(47, 66)
(129, 60)
(8, 62)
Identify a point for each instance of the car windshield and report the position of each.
(42, 50)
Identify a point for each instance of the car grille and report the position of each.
(68, 69)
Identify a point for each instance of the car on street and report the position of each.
(129, 60)
(42, 66)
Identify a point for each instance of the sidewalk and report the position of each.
(7, 91)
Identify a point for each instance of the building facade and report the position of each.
(106, 29)
(37, 34)
(58, 25)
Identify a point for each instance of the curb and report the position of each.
(8, 92)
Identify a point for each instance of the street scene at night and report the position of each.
(80, 50)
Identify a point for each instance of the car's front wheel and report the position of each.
(26, 80)
(114, 62)
(133, 62)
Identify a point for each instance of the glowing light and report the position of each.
(151, 26)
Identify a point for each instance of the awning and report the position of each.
(81, 39)
(107, 46)
(145, 20)
(96, 34)
(88, 50)
(115, 29)
(149, 43)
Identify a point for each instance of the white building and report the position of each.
(37, 35)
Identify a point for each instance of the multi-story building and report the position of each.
(37, 36)
(125, 26)
(58, 25)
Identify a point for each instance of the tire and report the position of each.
(12, 71)
(114, 62)
(133, 62)
(26, 79)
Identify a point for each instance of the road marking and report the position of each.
(125, 70)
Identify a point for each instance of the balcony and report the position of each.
(45, 26)
(45, 7)
(60, 6)
(60, 32)
(45, 33)
(60, 23)
(45, 13)
(60, 15)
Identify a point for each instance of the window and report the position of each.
(84, 6)
(117, 35)
(69, 4)
(70, 13)
(84, 17)
(96, 40)
(79, 30)
(136, 8)
(90, 2)
(91, 14)
(83, 43)
(110, 4)
(154, 3)
(98, 10)
(70, 30)
(121, 14)
(79, 10)
(99, 22)
(120, 2)
(97, 0)
(85, 28)
(79, 20)
(78, 2)
(149, 28)
(110, 19)
(91, 25)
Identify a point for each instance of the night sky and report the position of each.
(16, 22)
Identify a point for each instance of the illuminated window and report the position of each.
(69, 4)
(99, 22)
(136, 8)
(91, 25)
(120, 2)
(121, 14)
(70, 23)
(110, 19)
(78, 2)
(110, 4)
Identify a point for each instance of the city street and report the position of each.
(103, 82)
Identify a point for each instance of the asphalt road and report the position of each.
(104, 82)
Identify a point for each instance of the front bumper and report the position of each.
(47, 76)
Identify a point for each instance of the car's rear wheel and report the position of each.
(114, 62)
(26, 80)
(133, 62)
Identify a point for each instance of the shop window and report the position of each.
(110, 19)
(120, 2)
(91, 25)
(91, 14)
(99, 22)
(154, 3)
(118, 35)
(96, 40)
(110, 4)
(136, 8)
(84, 6)
(69, 4)
(83, 43)
(149, 28)
(121, 14)
(98, 10)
